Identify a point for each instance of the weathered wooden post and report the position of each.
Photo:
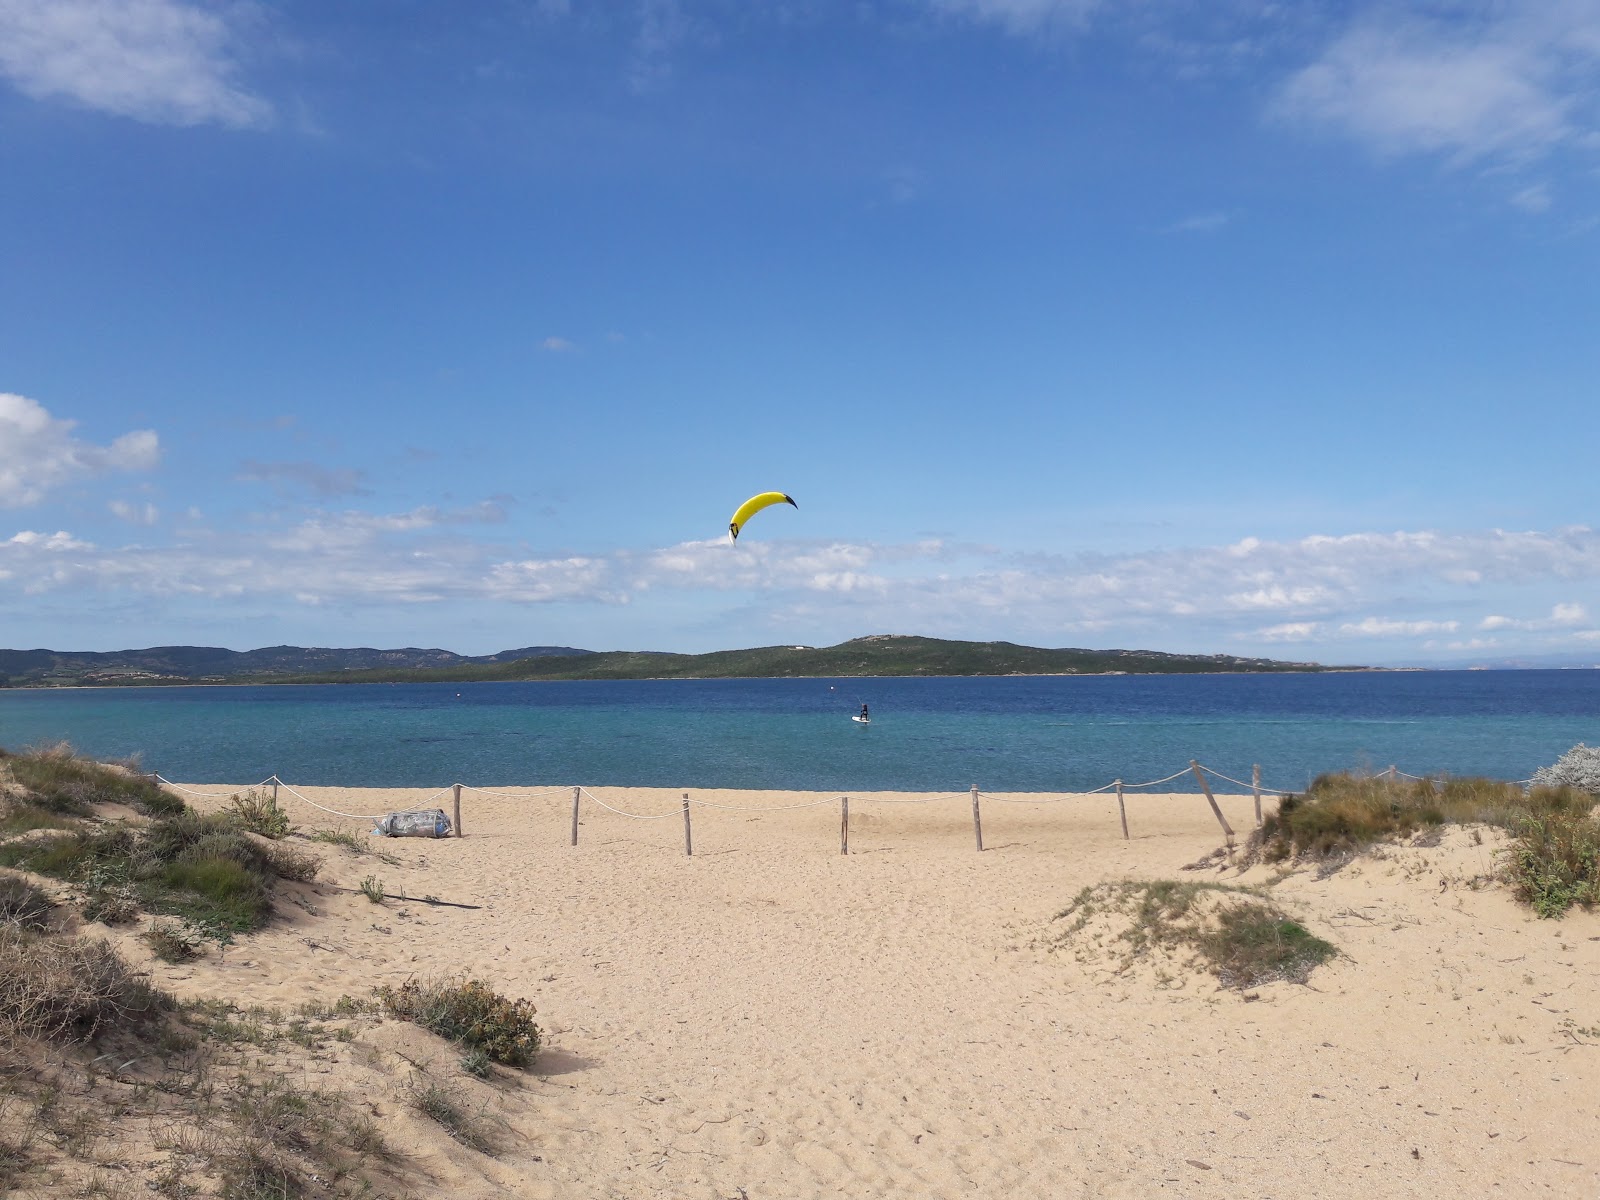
(576, 792)
(1255, 790)
(274, 791)
(977, 819)
(688, 836)
(1212, 800)
(844, 824)
(1391, 773)
(456, 789)
(1122, 811)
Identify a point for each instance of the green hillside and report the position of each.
(880, 655)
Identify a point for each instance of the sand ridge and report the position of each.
(769, 1018)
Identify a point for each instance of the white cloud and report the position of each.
(1022, 16)
(319, 481)
(163, 61)
(1382, 627)
(1562, 616)
(53, 542)
(1209, 222)
(1317, 590)
(1290, 631)
(134, 514)
(1503, 82)
(1532, 199)
(38, 452)
(662, 27)
(557, 345)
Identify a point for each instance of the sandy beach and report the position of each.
(770, 1018)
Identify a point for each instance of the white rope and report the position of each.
(326, 809)
(1153, 782)
(1014, 800)
(178, 787)
(515, 795)
(1240, 782)
(621, 813)
(918, 800)
(757, 809)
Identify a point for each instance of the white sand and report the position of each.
(770, 1019)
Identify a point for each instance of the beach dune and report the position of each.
(771, 1018)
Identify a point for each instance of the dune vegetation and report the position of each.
(99, 1062)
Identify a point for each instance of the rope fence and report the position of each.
(1203, 775)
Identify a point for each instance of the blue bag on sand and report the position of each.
(430, 823)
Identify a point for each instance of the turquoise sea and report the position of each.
(943, 734)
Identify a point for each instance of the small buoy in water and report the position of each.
(458, 695)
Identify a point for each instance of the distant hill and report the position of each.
(878, 655)
(199, 664)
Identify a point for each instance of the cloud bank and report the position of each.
(1370, 589)
(161, 61)
(38, 452)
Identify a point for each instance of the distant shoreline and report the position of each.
(260, 681)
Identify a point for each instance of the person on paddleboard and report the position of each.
(865, 716)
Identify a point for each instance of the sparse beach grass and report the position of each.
(1552, 863)
(86, 1040)
(1237, 934)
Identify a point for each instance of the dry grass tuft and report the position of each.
(65, 989)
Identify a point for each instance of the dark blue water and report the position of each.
(1003, 734)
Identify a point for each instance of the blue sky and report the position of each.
(1241, 328)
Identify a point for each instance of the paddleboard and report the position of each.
(860, 720)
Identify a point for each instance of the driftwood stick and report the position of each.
(399, 896)
(1212, 800)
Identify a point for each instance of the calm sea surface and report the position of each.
(1003, 734)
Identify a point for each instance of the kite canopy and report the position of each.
(751, 507)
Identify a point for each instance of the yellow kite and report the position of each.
(751, 507)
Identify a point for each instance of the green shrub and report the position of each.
(469, 1012)
(114, 905)
(1341, 813)
(372, 889)
(1237, 933)
(1253, 944)
(295, 865)
(25, 818)
(216, 890)
(259, 813)
(58, 780)
(1555, 862)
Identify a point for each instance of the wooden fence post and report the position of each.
(688, 836)
(456, 788)
(844, 824)
(576, 792)
(1122, 811)
(1391, 773)
(1255, 789)
(1212, 800)
(274, 791)
(977, 819)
